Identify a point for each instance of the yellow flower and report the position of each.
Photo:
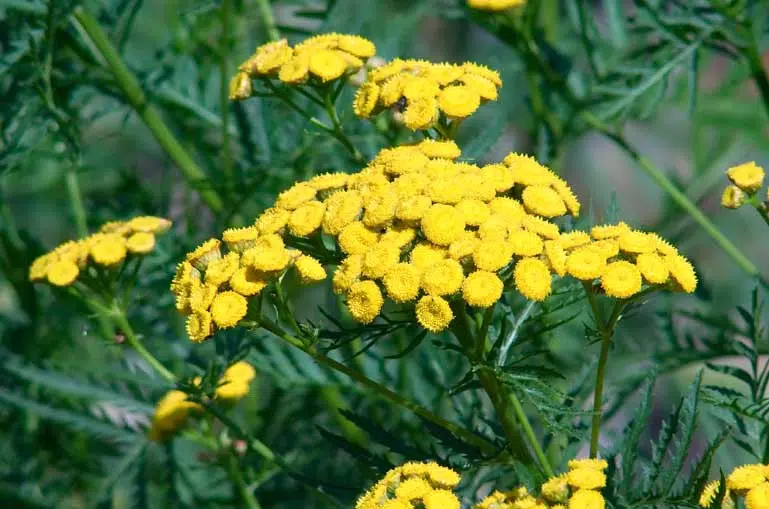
(556, 256)
(621, 279)
(306, 218)
(475, 212)
(149, 224)
(440, 499)
(248, 281)
(399, 236)
(356, 45)
(587, 499)
(410, 185)
(525, 243)
(401, 281)
(532, 278)
(108, 248)
(543, 201)
(585, 263)
(425, 255)
(586, 478)
(446, 190)
(511, 210)
(420, 86)
(458, 101)
(235, 381)
(199, 326)
(637, 242)
(295, 196)
(609, 231)
(205, 253)
(443, 278)
(482, 289)
(310, 270)
(348, 273)
(440, 475)
(366, 98)
(682, 272)
(477, 188)
(413, 488)
(605, 247)
(327, 64)
(240, 239)
(183, 277)
(355, 238)
(747, 176)
(758, 497)
(494, 5)
(62, 273)
(464, 246)
(170, 415)
(663, 246)
(364, 300)
(709, 493)
(380, 207)
(733, 197)
(500, 176)
(442, 224)
(483, 71)
(240, 87)
(201, 296)
(220, 271)
(268, 259)
(379, 259)
(420, 113)
(594, 463)
(746, 477)
(492, 255)
(327, 181)
(653, 268)
(342, 208)
(556, 489)
(434, 313)
(296, 70)
(272, 220)
(484, 87)
(444, 149)
(541, 227)
(268, 58)
(568, 196)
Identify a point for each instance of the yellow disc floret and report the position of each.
(364, 300)
(434, 313)
(482, 289)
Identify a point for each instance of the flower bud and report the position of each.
(240, 87)
(733, 197)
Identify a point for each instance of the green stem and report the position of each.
(265, 10)
(490, 383)
(761, 208)
(76, 201)
(338, 132)
(333, 399)
(118, 315)
(134, 95)
(530, 435)
(606, 330)
(676, 194)
(379, 389)
(233, 469)
(224, 100)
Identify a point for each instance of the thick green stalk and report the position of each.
(118, 315)
(134, 95)
(530, 435)
(76, 201)
(265, 10)
(379, 389)
(491, 385)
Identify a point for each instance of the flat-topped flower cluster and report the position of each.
(105, 249)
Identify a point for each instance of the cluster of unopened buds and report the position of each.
(84, 259)
(746, 181)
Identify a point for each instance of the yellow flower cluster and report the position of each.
(750, 482)
(579, 488)
(426, 485)
(424, 90)
(322, 58)
(212, 287)
(107, 248)
(174, 409)
(494, 5)
(624, 260)
(746, 179)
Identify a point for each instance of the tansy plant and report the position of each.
(368, 300)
